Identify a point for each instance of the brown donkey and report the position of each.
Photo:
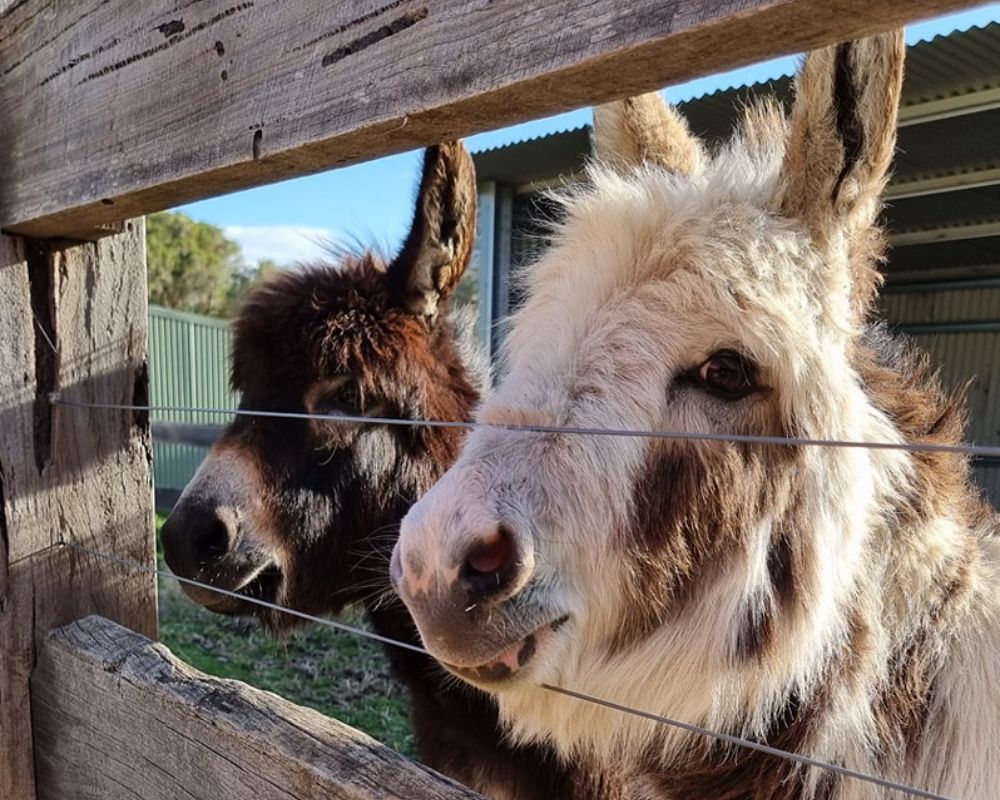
(842, 603)
(304, 512)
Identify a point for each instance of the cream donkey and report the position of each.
(837, 602)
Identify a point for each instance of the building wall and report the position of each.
(958, 325)
(189, 368)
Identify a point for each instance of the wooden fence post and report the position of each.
(72, 323)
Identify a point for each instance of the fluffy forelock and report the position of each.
(278, 334)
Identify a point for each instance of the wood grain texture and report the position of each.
(117, 716)
(112, 108)
(8, 5)
(67, 475)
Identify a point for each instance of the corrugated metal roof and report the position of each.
(971, 143)
(532, 159)
(528, 139)
(968, 256)
(953, 65)
(969, 207)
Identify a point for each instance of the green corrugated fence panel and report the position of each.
(188, 367)
(175, 464)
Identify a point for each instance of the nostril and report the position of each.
(492, 553)
(197, 535)
(213, 540)
(490, 565)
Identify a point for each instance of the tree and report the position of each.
(467, 291)
(192, 266)
(246, 279)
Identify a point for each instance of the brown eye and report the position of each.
(344, 399)
(728, 375)
(349, 396)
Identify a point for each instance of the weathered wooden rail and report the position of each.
(110, 109)
(117, 716)
(150, 104)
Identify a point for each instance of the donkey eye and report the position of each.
(350, 395)
(346, 398)
(728, 375)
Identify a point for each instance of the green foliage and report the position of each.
(192, 265)
(244, 280)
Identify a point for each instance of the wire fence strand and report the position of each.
(990, 451)
(660, 719)
(45, 335)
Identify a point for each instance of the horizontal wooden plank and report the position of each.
(112, 108)
(118, 717)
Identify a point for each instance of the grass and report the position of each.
(335, 673)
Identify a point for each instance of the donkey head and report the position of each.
(683, 292)
(289, 510)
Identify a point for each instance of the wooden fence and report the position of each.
(110, 109)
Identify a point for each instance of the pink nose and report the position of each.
(484, 572)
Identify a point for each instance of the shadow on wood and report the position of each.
(117, 716)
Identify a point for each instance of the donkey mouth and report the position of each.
(264, 585)
(512, 659)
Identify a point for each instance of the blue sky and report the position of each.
(372, 202)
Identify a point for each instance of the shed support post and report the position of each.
(73, 324)
(493, 260)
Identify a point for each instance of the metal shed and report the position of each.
(943, 274)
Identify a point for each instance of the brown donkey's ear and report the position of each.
(438, 248)
(644, 129)
(843, 133)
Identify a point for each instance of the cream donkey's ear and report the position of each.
(843, 133)
(645, 130)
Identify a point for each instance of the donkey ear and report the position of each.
(843, 133)
(439, 246)
(645, 130)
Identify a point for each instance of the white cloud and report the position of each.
(284, 244)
